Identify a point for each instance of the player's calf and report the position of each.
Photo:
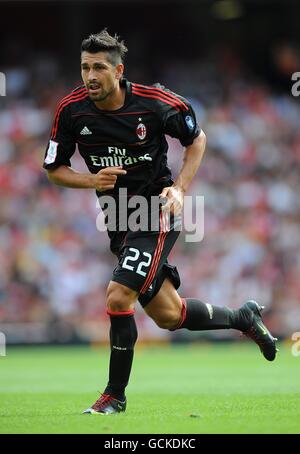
(168, 320)
(123, 335)
(197, 316)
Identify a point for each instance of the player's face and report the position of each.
(100, 77)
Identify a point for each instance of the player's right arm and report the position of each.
(104, 180)
(61, 148)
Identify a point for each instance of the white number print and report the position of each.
(131, 258)
(134, 258)
(139, 268)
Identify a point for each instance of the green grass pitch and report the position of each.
(198, 388)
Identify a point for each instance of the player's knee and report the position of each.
(119, 298)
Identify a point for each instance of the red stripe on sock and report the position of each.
(183, 313)
(119, 314)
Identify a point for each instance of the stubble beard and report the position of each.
(100, 97)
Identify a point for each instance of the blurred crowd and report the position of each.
(55, 264)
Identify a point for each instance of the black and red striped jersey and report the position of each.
(132, 136)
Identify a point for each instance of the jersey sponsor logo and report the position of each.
(117, 157)
(141, 131)
(190, 122)
(85, 131)
(51, 152)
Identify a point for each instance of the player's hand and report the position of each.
(174, 196)
(106, 178)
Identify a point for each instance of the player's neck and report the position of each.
(114, 101)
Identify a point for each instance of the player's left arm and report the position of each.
(192, 159)
(183, 125)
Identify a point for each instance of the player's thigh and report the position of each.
(166, 306)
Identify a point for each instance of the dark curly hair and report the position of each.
(104, 42)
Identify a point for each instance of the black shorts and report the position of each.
(143, 264)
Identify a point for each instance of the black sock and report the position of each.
(123, 335)
(197, 316)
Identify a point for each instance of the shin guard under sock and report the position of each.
(123, 335)
(197, 316)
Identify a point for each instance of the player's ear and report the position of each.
(119, 71)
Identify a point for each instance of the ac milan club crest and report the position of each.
(141, 131)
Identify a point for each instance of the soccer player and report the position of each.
(119, 128)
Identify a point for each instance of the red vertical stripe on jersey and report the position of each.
(162, 93)
(60, 108)
(154, 96)
(64, 103)
(81, 94)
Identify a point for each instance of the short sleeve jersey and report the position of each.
(132, 136)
